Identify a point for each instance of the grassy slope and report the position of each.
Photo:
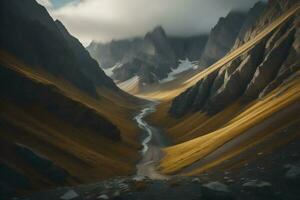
(169, 90)
(78, 151)
(182, 155)
(198, 135)
(166, 92)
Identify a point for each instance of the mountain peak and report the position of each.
(157, 31)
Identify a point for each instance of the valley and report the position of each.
(208, 116)
(153, 140)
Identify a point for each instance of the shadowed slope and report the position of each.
(57, 120)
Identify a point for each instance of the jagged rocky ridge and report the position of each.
(151, 57)
(222, 38)
(253, 74)
(155, 55)
(228, 30)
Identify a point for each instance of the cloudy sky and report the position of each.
(104, 20)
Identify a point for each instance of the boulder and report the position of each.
(216, 191)
(69, 195)
(182, 103)
(293, 174)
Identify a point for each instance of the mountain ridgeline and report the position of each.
(69, 59)
(252, 75)
(153, 57)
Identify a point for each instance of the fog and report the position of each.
(104, 20)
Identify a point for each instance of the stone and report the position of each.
(196, 180)
(256, 183)
(216, 191)
(103, 196)
(70, 194)
(293, 172)
(217, 186)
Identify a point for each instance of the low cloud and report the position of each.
(104, 20)
(46, 3)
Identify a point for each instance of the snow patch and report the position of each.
(109, 71)
(183, 66)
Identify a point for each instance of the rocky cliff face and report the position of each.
(151, 57)
(88, 66)
(190, 47)
(108, 54)
(253, 74)
(29, 33)
(222, 37)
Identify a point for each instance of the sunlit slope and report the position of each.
(185, 154)
(131, 85)
(117, 107)
(87, 155)
(168, 91)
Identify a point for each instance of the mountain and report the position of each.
(249, 76)
(28, 44)
(108, 54)
(188, 47)
(231, 128)
(227, 31)
(150, 58)
(241, 112)
(60, 114)
(88, 66)
(222, 37)
(155, 56)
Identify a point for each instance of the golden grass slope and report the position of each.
(85, 154)
(118, 108)
(182, 155)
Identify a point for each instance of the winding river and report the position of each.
(153, 141)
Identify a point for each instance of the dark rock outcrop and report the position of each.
(251, 19)
(268, 69)
(222, 38)
(88, 66)
(189, 47)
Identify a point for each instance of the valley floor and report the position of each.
(254, 180)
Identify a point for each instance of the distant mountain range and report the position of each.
(153, 57)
